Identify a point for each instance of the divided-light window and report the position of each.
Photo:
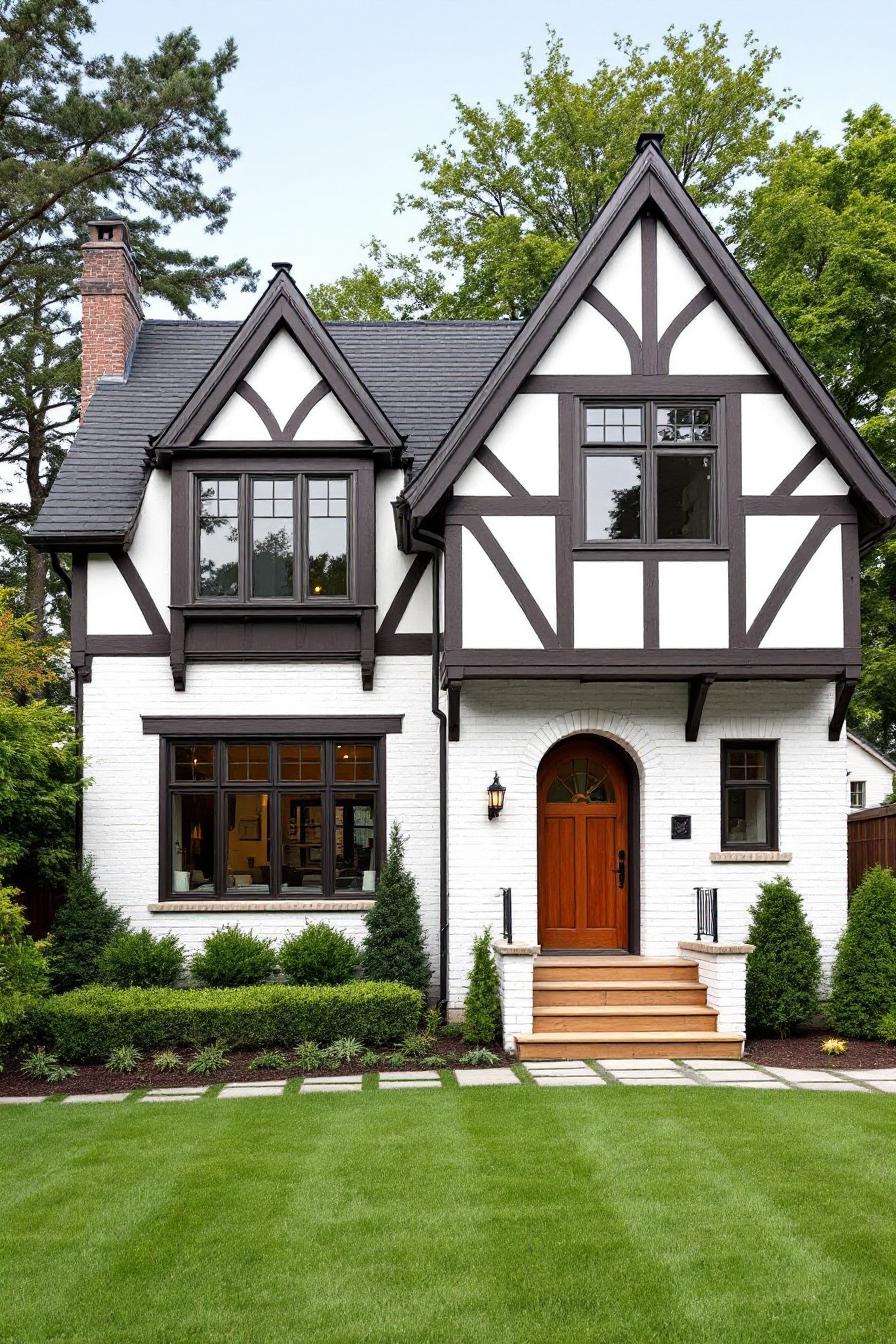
(273, 538)
(650, 473)
(263, 819)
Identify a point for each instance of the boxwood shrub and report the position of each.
(87, 1024)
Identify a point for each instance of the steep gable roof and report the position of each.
(651, 187)
(281, 307)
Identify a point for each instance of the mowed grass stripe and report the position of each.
(493, 1215)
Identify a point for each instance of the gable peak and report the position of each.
(650, 140)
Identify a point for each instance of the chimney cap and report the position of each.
(648, 138)
(282, 266)
(108, 229)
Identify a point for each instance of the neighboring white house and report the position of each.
(328, 575)
(869, 773)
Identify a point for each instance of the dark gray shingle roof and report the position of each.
(421, 373)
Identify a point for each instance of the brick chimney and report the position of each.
(110, 303)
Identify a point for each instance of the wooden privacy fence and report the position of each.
(871, 840)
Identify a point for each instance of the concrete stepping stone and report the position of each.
(177, 1091)
(183, 1096)
(831, 1085)
(319, 1085)
(271, 1089)
(885, 1085)
(411, 1076)
(337, 1078)
(391, 1084)
(571, 1080)
(870, 1075)
(637, 1065)
(657, 1080)
(20, 1101)
(485, 1077)
(764, 1084)
(94, 1096)
(802, 1075)
(724, 1076)
(718, 1065)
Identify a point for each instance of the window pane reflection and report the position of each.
(301, 854)
(248, 843)
(355, 834)
(328, 537)
(219, 537)
(193, 842)
(273, 542)
(613, 498)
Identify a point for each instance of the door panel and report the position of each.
(582, 826)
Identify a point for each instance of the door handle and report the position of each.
(620, 868)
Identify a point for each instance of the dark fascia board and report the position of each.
(50, 541)
(281, 306)
(650, 182)
(356, 725)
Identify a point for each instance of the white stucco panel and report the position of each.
(391, 563)
(620, 279)
(693, 604)
(111, 609)
(328, 421)
(531, 547)
(417, 619)
(773, 441)
(712, 344)
(608, 604)
(491, 617)
(824, 480)
(282, 375)
(476, 479)
(236, 422)
(526, 439)
(587, 343)
(151, 548)
(770, 542)
(676, 280)
(812, 614)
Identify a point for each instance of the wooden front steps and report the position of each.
(622, 1007)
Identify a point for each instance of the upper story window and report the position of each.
(650, 473)
(273, 537)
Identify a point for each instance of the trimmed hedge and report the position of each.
(87, 1024)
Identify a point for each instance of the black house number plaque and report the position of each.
(681, 828)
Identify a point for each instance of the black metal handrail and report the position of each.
(508, 915)
(707, 913)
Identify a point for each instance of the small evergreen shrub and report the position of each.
(395, 948)
(86, 1024)
(480, 1057)
(270, 1059)
(210, 1059)
(45, 1068)
(123, 1059)
(418, 1043)
(482, 1006)
(319, 955)
(888, 1028)
(167, 1061)
(863, 985)
(84, 925)
(784, 971)
(232, 957)
(432, 1022)
(137, 959)
(23, 965)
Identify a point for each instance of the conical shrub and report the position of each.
(395, 948)
(863, 985)
(784, 971)
(482, 1006)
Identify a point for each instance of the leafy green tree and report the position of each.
(506, 197)
(395, 948)
(784, 970)
(39, 757)
(482, 1005)
(863, 985)
(81, 134)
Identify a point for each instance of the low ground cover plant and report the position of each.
(167, 1061)
(137, 959)
(231, 957)
(87, 1024)
(480, 1057)
(45, 1067)
(270, 1059)
(784, 971)
(863, 984)
(123, 1059)
(319, 955)
(210, 1059)
(308, 1056)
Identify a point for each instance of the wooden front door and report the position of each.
(583, 861)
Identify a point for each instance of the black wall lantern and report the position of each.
(496, 793)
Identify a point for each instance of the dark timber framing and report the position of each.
(698, 689)
(388, 640)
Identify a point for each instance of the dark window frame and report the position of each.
(328, 788)
(245, 474)
(649, 449)
(769, 786)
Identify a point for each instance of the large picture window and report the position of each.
(650, 473)
(749, 795)
(273, 538)
(273, 818)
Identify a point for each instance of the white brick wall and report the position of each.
(516, 976)
(508, 727)
(121, 811)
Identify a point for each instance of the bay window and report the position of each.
(268, 819)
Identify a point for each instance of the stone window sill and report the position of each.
(254, 907)
(751, 856)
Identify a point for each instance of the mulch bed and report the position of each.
(97, 1078)
(802, 1051)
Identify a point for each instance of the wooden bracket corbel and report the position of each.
(454, 711)
(843, 695)
(697, 691)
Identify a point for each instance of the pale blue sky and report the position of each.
(332, 97)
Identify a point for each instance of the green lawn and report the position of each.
(505, 1214)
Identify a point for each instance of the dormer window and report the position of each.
(251, 529)
(650, 474)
